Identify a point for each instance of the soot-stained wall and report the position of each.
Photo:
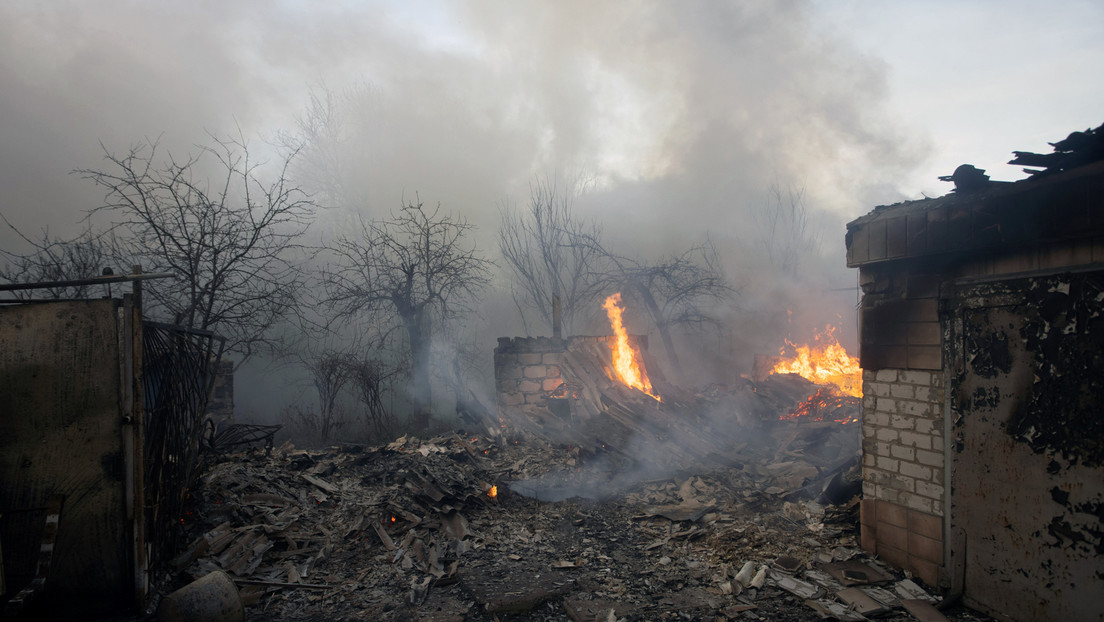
(995, 299)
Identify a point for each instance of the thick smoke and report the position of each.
(686, 115)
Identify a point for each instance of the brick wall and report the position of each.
(526, 369)
(903, 469)
(903, 438)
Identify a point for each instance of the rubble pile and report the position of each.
(505, 524)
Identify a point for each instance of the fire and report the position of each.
(824, 404)
(628, 369)
(826, 362)
(493, 492)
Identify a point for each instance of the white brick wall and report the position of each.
(903, 459)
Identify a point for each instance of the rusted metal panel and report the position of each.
(61, 434)
(1028, 447)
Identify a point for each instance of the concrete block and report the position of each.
(922, 310)
(888, 464)
(886, 435)
(550, 384)
(881, 389)
(929, 458)
(893, 514)
(927, 549)
(886, 375)
(877, 419)
(875, 476)
(891, 554)
(868, 512)
(511, 399)
(931, 490)
(924, 334)
(927, 525)
(902, 483)
(916, 502)
(551, 358)
(924, 394)
(915, 470)
(925, 571)
(917, 409)
(919, 441)
(886, 405)
(926, 425)
(892, 535)
(906, 391)
(904, 453)
(868, 538)
(529, 386)
(925, 357)
(536, 371)
(870, 489)
(902, 422)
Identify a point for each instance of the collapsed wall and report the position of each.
(529, 369)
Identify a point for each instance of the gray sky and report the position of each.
(684, 112)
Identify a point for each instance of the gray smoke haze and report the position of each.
(685, 114)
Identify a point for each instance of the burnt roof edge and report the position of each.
(1006, 215)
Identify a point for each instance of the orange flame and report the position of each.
(628, 369)
(826, 402)
(826, 362)
(493, 492)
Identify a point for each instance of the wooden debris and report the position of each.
(321, 483)
(860, 601)
(922, 610)
(406, 530)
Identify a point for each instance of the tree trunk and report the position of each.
(420, 373)
(663, 328)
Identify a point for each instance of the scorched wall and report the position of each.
(981, 325)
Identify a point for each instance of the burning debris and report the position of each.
(432, 530)
(825, 363)
(627, 363)
(713, 505)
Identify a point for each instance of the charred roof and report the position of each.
(1060, 202)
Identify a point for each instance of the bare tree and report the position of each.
(784, 236)
(541, 247)
(416, 268)
(329, 372)
(230, 239)
(370, 377)
(55, 259)
(678, 290)
(335, 134)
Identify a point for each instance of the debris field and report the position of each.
(502, 523)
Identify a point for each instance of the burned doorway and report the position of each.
(1026, 429)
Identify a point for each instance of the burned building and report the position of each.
(982, 337)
